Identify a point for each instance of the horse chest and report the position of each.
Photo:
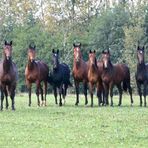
(32, 77)
(6, 78)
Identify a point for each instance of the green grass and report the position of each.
(71, 126)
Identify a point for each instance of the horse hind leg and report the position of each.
(45, 91)
(55, 95)
(42, 98)
(77, 92)
(12, 96)
(120, 94)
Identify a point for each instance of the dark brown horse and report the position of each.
(8, 76)
(94, 76)
(80, 72)
(141, 74)
(115, 75)
(36, 72)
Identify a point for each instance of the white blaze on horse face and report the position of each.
(77, 54)
(141, 51)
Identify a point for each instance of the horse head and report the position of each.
(55, 59)
(7, 50)
(31, 53)
(92, 58)
(77, 52)
(140, 54)
(106, 58)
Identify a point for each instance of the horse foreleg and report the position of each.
(85, 92)
(6, 96)
(60, 95)
(120, 94)
(29, 89)
(42, 98)
(130, 92)
(37, 93)
(99, 92)
(55, 94)
(106, 92)
(111, 94)
(12, 95)
(144, 93)
(77, 92)
(2, 99)
(139, 92)
(91, 92)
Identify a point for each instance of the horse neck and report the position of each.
(7, 65)
(141, 67)
(93, 68)
(78, 65)
(31, 65)
(110, 68)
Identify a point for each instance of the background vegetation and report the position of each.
(97, 24)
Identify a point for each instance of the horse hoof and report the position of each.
(144, 105)
(76, 104)
(119, 104)
(60, 104)
(13, 109)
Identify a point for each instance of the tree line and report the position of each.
(52, 24)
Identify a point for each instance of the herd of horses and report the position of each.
(101, 75)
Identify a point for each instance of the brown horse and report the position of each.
(115, 75)
(36, 72)
(8, 76)
(94, 76)
(141, 74)
(80, 72)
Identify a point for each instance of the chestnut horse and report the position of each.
(36, 72)
(115, 75)
(8, 76)
(141, 74)
(80, 72)
(94, 76)
(59, 77)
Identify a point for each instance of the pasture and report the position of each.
(74, 126)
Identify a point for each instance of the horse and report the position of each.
(141, 74)
(80, 72)
(36, 71)
(94, 76)
(8, 76)
(115, 74)
(59, 77)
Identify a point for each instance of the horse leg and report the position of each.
(29, 89)
(77, 92)
(120, 94)
(139, 92)
(42, 98)
(111, 94)
(144, 93)
(55, 95)
(130, 92)
(6, 96)
(37, 92)
(99, 91)
(45, 91)
(106, 92)
(60, 94)
(65, 86)
(85, 93)
(12, 95)
(2, 99)
(91, 92)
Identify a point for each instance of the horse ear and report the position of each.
(143, 48)
(5, 42)
(94, 51)
(80, 44)
(74, 45)
(30, 46)
(10, 43)
(57, 51)
(90, 51)
(102, 51)
(138, 48)
(34, 46)
(53, 51)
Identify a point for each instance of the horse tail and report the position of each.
(124, 85)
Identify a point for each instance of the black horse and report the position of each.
(141, 74)
(59, 77)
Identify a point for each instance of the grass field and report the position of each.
(71, 126)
